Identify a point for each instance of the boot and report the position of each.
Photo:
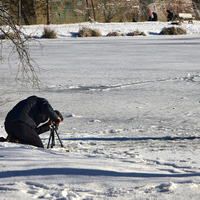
(2, 139)
(11, 138)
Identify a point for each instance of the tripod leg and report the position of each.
(53, 140)
(49, 141)
(61, 144)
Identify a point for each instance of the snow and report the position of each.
(131, 116)
(71, 30)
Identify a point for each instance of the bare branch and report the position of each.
(27, 67)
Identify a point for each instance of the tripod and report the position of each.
(53, 130)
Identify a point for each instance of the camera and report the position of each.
(53, 131)
(61, 117)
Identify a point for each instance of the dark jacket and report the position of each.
(155, 16)
(170, 15)
(33, 111)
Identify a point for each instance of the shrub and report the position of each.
(87, 32)
(173, 31)
(113, 34)
(136, 33)
(96, 33)
(49, 33)
(84, 32)
(181, 31)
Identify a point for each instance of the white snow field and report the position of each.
(131, 108)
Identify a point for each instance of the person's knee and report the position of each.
(41, 146)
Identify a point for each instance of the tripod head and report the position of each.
(55, 126)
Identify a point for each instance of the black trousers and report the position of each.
(23, 133)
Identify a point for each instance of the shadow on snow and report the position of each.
(136, 139)
(87, 172)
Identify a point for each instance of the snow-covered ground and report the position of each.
(71, 30)
(131, 116)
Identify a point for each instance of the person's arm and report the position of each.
(44, 128)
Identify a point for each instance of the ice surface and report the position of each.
(131, 118)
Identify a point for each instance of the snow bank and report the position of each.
(150, 28)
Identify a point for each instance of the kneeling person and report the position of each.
(22, 122)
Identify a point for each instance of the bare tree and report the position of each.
(9, 30)
(109, 9)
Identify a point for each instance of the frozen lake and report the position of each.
(132, 102)
(125, 83)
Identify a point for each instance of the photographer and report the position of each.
(170, 15)
(22, 121)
